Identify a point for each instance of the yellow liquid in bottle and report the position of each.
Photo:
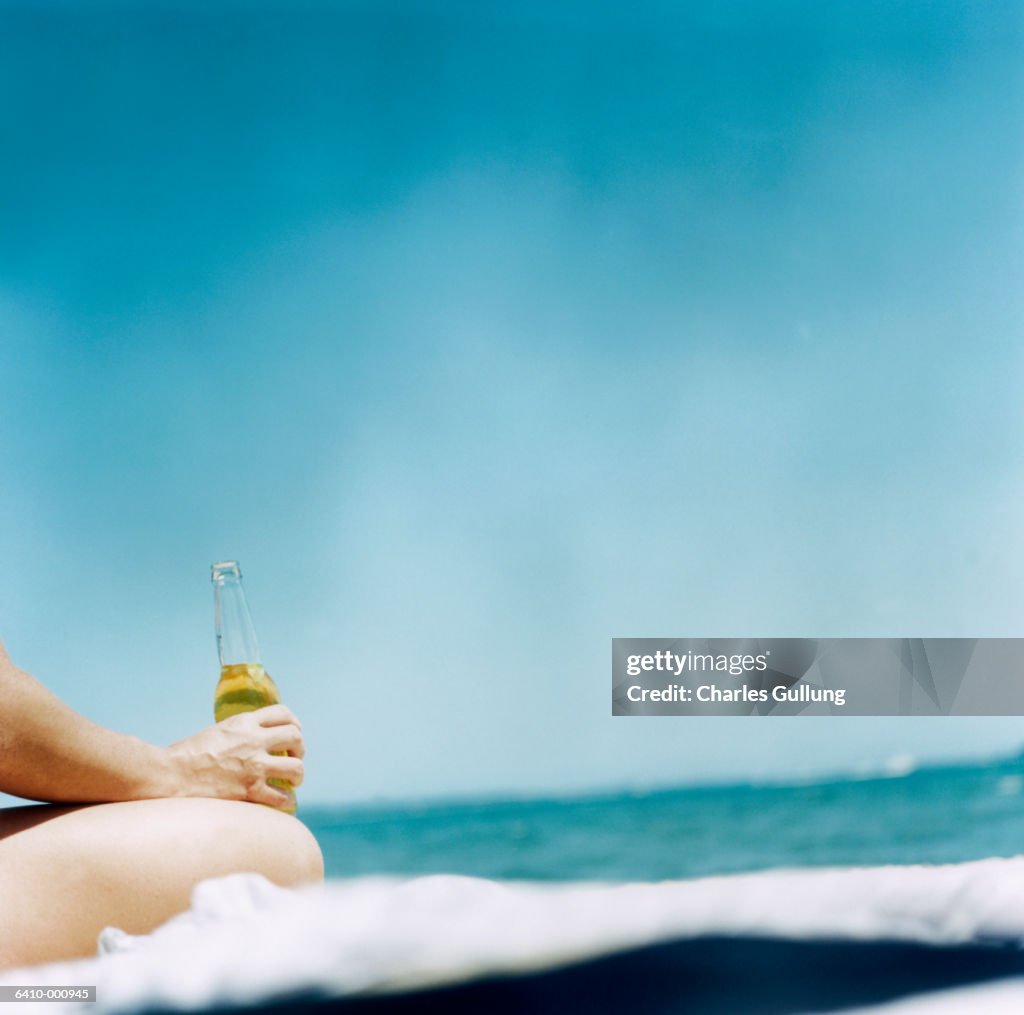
(244, 687)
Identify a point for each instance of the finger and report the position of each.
(285, 738)
(290, 769)
(262, 793)
(276, 715)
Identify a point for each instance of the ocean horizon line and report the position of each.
(894, 766)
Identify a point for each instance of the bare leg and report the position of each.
(67, 872)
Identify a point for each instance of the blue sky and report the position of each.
(481, 334)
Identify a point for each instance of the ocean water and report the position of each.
(936, 814)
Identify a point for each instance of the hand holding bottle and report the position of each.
(234, 759)
(244, 685)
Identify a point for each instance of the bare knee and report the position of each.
(288, 854)
(230, 837)
(134, 865)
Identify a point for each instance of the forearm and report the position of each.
(50, 752)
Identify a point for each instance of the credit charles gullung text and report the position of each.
(734, 665)
(712, 676)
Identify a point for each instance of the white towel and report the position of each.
(245, 940)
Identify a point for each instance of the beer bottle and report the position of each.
(244, 684)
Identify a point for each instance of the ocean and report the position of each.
(936, 814)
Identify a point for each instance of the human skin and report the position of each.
(132, 827)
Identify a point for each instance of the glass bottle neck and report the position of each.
(236, 636)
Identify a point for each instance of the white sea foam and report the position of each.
(900, 765)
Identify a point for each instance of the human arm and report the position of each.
(49, 752)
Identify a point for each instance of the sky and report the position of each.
(482, 334)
